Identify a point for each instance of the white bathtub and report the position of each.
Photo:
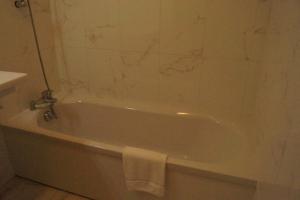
(81, 152)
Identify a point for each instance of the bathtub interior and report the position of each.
(182, 136)
(191, 140)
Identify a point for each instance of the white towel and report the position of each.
(144, 170)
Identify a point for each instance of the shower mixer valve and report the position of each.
(47, 102)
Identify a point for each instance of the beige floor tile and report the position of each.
(23, 189)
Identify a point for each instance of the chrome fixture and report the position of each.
(46, 101)
(49, 114)
(20, 3)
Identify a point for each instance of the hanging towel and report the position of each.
(144, 170)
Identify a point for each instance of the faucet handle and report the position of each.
(45, 101)
(47, 96)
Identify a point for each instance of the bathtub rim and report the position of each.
(184, 166)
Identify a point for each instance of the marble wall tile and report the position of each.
(132, 67)
(103, 76)
(183, 26)
(277, 110)
(43, 21)
(116, 74)
(18, 53)
(102, 24)
(222, 86)
(77, 68)
(139, 25)
(201, 56)
(180, 81)
(70, 18)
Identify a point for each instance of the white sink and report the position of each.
(10, 79)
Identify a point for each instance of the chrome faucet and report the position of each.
(49, 115)
(46, 101)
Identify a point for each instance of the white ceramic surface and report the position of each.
(94, 170)
(182, 136)
(10, 79)
(191, 141)
(81, 152)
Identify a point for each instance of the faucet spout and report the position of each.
(46, 101)
(35, 105)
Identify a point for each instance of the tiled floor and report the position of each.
(23, 189)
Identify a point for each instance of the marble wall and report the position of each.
(18, 54)
(278, 105)
(197, 56)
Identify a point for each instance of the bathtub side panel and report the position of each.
(80, 170)
(6, 170)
